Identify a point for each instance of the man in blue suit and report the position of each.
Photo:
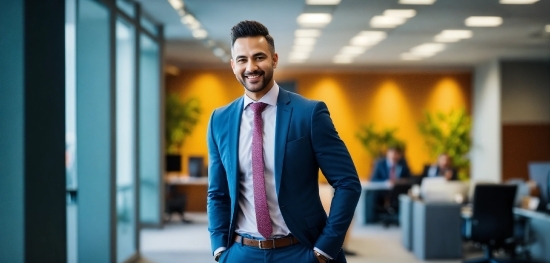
(265, 150)
(391, 168)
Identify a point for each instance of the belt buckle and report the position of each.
(260, 244)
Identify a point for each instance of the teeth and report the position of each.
(252, 76)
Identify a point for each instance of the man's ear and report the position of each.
(275, 60)
(232, 65)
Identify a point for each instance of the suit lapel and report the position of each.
(234, 122)
(284, 113)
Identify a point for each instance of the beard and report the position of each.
(259, 84)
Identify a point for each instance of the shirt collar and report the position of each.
(269, 98)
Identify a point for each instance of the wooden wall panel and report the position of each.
(521, 144)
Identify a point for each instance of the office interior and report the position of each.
(84, 85)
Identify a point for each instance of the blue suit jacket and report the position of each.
(305, 140)
(382, 172)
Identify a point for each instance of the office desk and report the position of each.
(539, 229)
(366, 208)
(436, 230)
(195, 188)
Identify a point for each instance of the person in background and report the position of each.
(265, 150)
(391, 168)
(443, 167)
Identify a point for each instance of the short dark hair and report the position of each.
(249, 28)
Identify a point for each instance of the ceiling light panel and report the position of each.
(307, 33)
(404, 13)
(460, 34)
(518, 2)
(483, 21)
(445, 39)
(547, 28)
(200, 33)
(386, 21)
(314, 19)
(416, 2)
(322, 2)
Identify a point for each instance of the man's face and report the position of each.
(393, 155)
(253, 64)
(444, 161)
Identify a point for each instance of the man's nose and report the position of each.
(251, 66)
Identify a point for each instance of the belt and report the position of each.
(267, 244)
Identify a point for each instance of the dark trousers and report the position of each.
(239, 253)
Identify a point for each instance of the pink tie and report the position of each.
(263, 219)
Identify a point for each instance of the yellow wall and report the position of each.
(385, 99)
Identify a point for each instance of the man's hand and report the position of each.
(319, 257)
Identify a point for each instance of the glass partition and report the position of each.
(125, 140)
(149, 130)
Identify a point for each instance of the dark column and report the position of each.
(32, 133)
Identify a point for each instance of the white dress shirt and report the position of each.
(246, 217)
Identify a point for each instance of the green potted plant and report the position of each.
(377, 143)
(181, 118)
(450, 134)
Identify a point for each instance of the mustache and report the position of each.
(255, 72)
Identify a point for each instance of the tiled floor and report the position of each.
(179, 242)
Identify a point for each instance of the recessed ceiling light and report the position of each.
(405, 13)
(483, 21)
(363, 41)
(409, 56)
(352, 50)
(457, 33)
(307, 33)
(547, 28)
(368, 38)
(200, 33)
(416, 2)
(453, 35)
(322, 2)
(314, 19)
(518, 2)
(386, 21)
(302, 48)
(176, 4)
(219, 52)
(305, 41)
(427, 49)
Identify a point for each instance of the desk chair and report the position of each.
(175, 202)
(492, 220)
(390, 213)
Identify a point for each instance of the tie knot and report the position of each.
(258, 107)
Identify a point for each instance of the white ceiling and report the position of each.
(521, 36)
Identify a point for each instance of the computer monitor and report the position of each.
(539, 172)
(439, 190)
(196, 166)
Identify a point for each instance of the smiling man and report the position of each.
(265, 151)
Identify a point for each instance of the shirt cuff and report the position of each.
(323, 253)
(219, 250)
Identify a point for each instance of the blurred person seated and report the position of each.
(443, 168)
(391, 168)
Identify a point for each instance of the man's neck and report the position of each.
(256, 96)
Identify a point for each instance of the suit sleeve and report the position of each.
(218, 200)
(378, 173)
(337, 166)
